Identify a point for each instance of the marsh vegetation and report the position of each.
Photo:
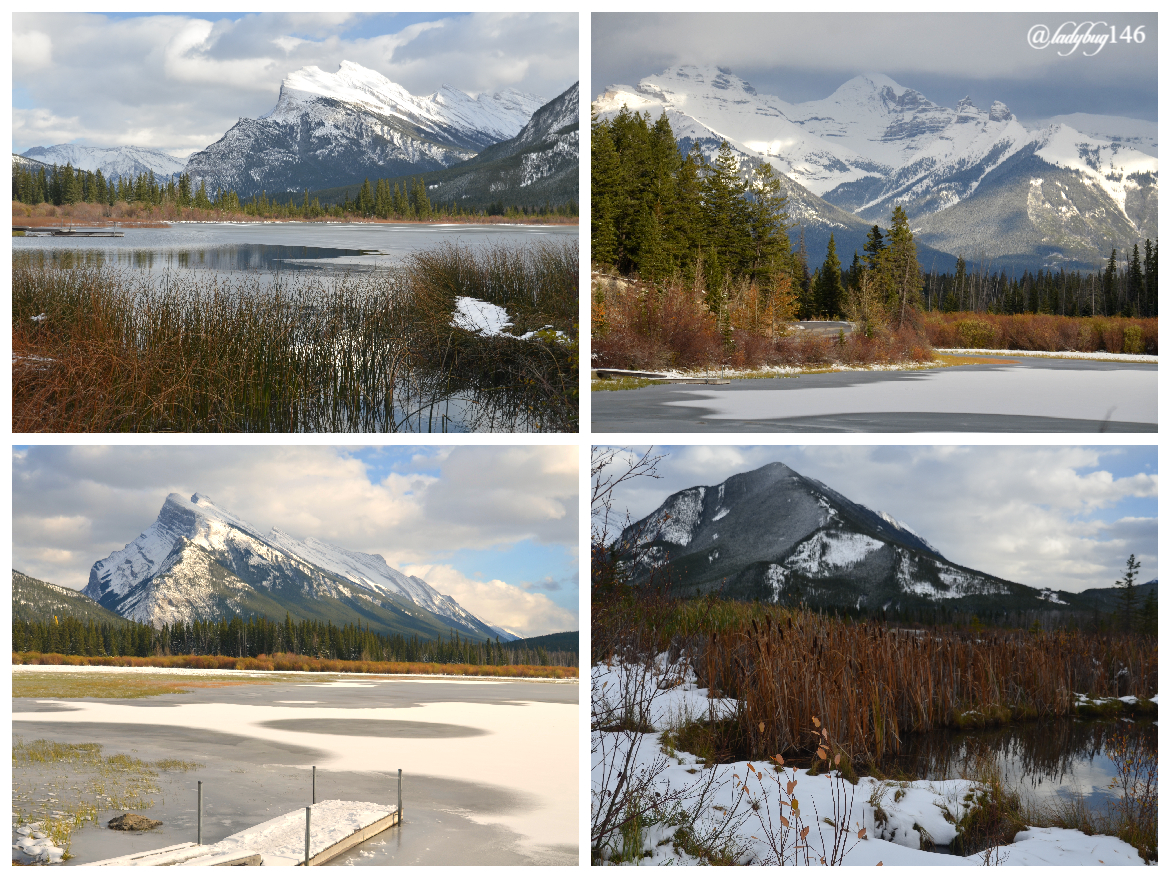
(112, 350)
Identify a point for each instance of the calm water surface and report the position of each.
(271, 247)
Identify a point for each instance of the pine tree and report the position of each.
(1109, 286)
(1150, 273)
(874, 244)
(827, 291)
(1127, 585)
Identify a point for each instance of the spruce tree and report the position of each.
(1109, 286)
(827, 293)
(605, 182)
(1127, 585)
(874, 244)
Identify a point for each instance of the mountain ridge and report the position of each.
(874, 143)
(198, 560)
(776, 536)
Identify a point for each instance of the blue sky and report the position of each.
(1048, 516)
(494, 527)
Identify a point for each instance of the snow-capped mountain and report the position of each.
(117, 161)
(873, 144)
(537, 166)
(779, 537)
(330, 129)
(198, 560)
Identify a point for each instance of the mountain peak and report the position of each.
(200, 561)
(999, 112)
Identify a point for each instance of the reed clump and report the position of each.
(98, 348)
(874, 683)
(1042, 332)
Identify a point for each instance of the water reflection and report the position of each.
(227, 257)
(1046, 758)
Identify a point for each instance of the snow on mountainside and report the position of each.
(113, 162)
(333, 129)
(780, 537)
(538, 166)
(198, 560)
(874, 144)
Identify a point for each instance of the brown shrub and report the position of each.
(1042, 332)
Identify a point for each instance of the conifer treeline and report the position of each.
(660, 215)
(258, 635)
(1125, 289)
(657, 215)
(67, 185)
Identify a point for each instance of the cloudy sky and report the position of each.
(945, 56)
(178, 82)
(1056, 517)
(494, 527)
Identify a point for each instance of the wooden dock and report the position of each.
(335, 827)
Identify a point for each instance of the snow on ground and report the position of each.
(1125, 395)
(1062, 354)
(906, 813)
(529, 747)
(479, 316)
(485, 318)
(35, 846)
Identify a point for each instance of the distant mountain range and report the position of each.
(200, 561)
(117, 161)
(332, 130)
(776, 536)
(973, 182)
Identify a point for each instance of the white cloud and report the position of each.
(1043, 515)
(179, 82)
(499, 602)
(75, 505)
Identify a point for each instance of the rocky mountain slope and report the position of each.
(199, 561)
(330, 129)
(874, 143)
(779, 537)
(114, 162)
(36, 600)
(536, 167)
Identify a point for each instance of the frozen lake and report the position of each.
(1027, 395)
(269, 247)
(490, 767)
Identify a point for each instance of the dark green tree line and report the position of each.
(257, 635)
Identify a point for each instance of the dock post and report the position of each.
(314, 784)
(308, 819)
(199, 816)
(399, 796)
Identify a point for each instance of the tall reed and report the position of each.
(105, 349)
(1043, 332)
(876, 684)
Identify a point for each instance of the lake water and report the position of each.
(272, 247)
(489, 765)
(1043, 759)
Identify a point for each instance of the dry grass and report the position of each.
(872, 683)
(106, 686)
(111, 350)
(301, 663)
(138, 215)
(1043, 332)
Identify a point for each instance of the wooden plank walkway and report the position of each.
(335, 828)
